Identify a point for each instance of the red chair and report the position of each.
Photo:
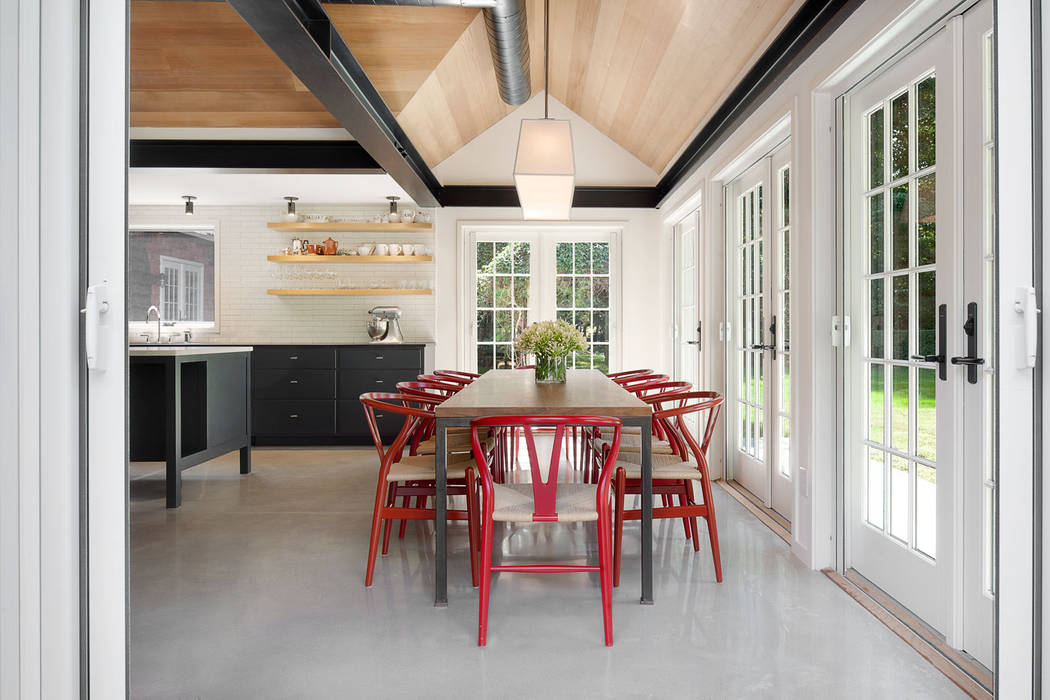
(643, 382)
(414, 475)
(454, 375)
(545, 502)
(620, 377)
(673, 474)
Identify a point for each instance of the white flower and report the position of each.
(551, 338)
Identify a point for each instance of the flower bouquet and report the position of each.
(551, 343)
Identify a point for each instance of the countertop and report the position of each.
(183, 350)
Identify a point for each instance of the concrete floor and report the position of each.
(254, 588)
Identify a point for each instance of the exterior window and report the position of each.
(173, 270)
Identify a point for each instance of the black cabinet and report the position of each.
(308, 395)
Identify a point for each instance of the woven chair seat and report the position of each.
(421, 468)
(633, 443)
(664, 466)
(458, 441)
(575, 503)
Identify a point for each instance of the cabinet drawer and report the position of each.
(294, 383)
(294, 357)
(293, 417)
(382, 357)
(351, 421)
(353, 383)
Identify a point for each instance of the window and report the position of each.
(173, 270)
(517, 276)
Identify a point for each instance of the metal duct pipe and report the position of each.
(508, 31)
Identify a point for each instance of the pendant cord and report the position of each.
(546, 56)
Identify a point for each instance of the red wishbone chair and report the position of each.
(641, 383)
(627, 375)
(454, 375)
(544, 502)
(673, 474)
(459, 382)
(401, 475)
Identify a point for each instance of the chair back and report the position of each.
(444, 379)
(415, 409)
(440, 390)
(525, 367)
(627, 375)
(544, 492)
(642, 383)
(692, 402)
(455, 375)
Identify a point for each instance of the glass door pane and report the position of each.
(503, 277)
(582, 283)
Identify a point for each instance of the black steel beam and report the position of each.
(507, 196)
(301, 35)
(325, 156)
(801, 36)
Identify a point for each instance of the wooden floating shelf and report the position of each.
(347, 292)
(347, 226)
(350, 258)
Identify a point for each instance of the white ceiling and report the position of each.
(167, 185)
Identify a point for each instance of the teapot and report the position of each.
(331, 247)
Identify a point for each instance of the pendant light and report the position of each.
(544, 167)
(189, 204)
(290, 216)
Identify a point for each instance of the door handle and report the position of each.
(699, 337)
(942, 345)
(772, 346)
(970, 360)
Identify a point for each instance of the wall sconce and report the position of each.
(290, 216)
(189, 204)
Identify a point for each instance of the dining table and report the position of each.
(585, 392)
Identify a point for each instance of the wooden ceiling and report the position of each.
(646, 73)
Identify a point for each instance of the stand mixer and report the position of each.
(383, 326)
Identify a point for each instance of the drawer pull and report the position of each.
(379, 381)
(380, 415)
(294, 415)
(293, 381)
(293, 357)
(379, 357)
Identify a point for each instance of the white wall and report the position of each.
(645, 280)
(801, 97)
(488, 159)
(247, 314)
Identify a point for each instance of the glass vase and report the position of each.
(550, 370)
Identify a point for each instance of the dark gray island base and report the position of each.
(189, 405)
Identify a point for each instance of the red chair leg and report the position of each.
(605, 572)
(712, 527)
(389, 524)
(486, 580)
(373, 540)
(692, 521)
(685, 521)
(621, 487)
(472, 519)
(405, 503)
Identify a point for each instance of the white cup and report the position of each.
(365, 249)
(382, 249)
(395, 249)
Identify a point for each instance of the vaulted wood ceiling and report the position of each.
(646, 73)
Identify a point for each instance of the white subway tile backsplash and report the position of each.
(247, 314)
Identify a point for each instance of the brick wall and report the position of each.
(247, 314)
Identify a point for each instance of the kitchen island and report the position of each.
(189, 404)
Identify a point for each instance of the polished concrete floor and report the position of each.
(254, 588)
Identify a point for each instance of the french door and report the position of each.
(759, 363)
(688, 324)
(920, 377)
(518, 276)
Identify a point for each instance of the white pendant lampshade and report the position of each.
(545, 169)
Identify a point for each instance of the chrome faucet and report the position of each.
(154, 309)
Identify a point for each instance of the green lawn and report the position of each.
(926, 416)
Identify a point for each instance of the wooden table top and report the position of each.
(515, 392)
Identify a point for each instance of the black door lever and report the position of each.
(942, 344)
(971, 361)
(772, 346)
